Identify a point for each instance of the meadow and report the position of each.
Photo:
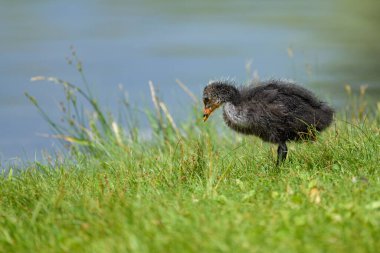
(193, 187)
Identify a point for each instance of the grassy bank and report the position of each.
(195, 188)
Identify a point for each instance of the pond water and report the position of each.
(322, 44)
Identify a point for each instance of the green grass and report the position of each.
(207, 192)
(196, 188)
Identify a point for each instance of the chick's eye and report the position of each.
(206, 100)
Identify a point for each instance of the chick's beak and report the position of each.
(208, 110)
(206, 113)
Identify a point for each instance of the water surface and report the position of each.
(323, 44)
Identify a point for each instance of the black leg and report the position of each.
(282, 151)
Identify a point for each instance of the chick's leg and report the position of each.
(282, 152)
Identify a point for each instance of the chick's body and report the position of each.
(277, 112)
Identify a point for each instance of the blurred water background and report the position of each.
(323, 44)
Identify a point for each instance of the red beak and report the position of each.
(207, 111)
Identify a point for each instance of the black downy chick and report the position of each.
(277, 111)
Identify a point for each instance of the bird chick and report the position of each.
(276, 111)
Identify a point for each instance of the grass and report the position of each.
(194, 188)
